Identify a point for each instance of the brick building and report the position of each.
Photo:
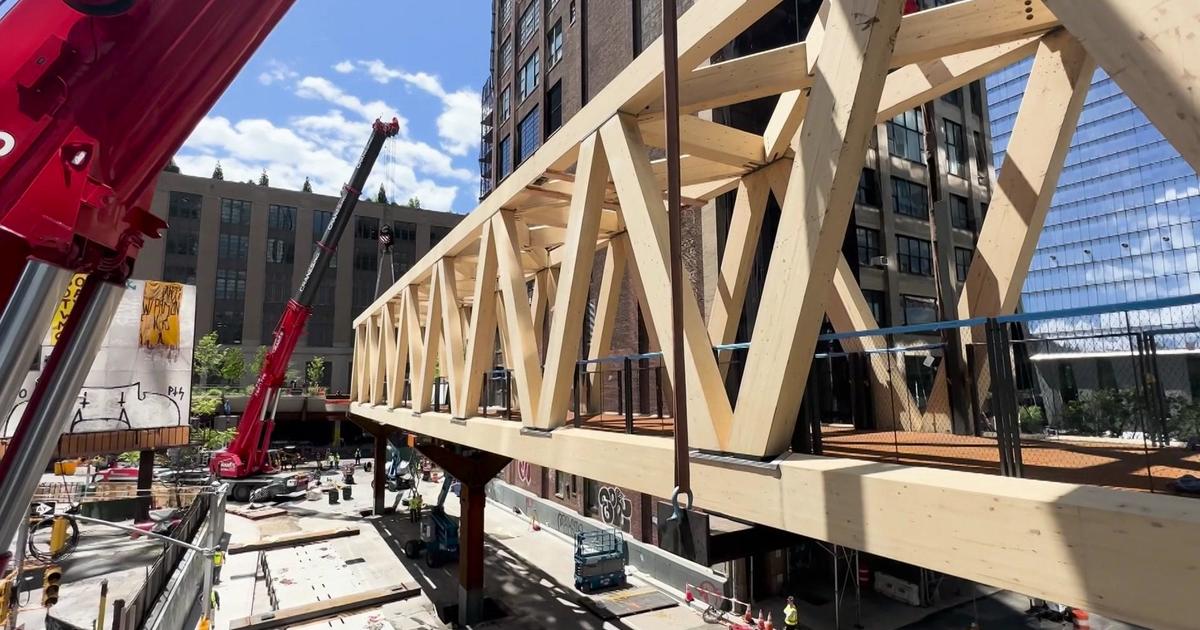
(246, 247)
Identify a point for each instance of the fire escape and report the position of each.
(485, 139)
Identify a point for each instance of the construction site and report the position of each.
(770, 314)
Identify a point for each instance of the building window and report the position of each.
(184, 205)
(506, 55)
(564, 485)
(505, 104)
(919, 310)
(554, 108)
(231, 284)
(437, 233)
(235, 212)
(529, 23)
(550, 4)
(405, 231)
(960, 213)
(572, 11)
(962, 262)
(868, 245)
(976, 98)
(527, 135)
(868, 188)
(906, 136)
(281, 217)
(280, 251)
(232, 246)
(981, 159)
(185, 274)
(321, 220)
(956, 149)
(320, 334)
(910, 198)
(1066, 383)
(983, 208)
(506, 10)
(554, 45)
(875, 300)
(183, 243)
(919, 374)
(366, 228)
(954, 97)
(505, 155)
(366, 261)
(228, 325)
(527, 78)
(914, 255)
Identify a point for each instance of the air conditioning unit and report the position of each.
(879, 261)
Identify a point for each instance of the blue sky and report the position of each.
(302, 105)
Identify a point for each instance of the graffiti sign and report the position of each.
(63, 310)
(613, 507)
(159, 327)
(524, 474)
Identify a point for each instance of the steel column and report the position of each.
(52, 400)
(24, 322)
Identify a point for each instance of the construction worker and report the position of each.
(414, 507)
(791, 617)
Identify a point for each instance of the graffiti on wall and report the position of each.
(613, 507)
(141, 377)
(159, 326)
(524, 474)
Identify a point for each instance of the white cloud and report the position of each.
(321, 148)
(458, 124)
(344, 67)
(276, 71)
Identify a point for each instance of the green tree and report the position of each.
(381, 196)
(218, 173)
(315, 371)
(206, 358)
(260, 356)
(233, 365)
(414, 202)
(205, 404)
(171, 167)
(307, 186)
(263, 180)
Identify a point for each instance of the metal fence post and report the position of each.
(658, 398)
(508, 394)
(627, 397)
(578, 386)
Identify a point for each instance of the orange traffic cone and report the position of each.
(769, 625)
(762, 624)
(747, 618)
(533, 523)
(687, 596)
(1081, 619)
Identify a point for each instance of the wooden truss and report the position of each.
(520, 267)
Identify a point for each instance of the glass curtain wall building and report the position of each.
(1125, 220)
(1123, 227)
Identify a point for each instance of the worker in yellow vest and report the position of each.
(791, 617)
(414, 507)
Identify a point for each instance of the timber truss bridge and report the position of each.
(521, 265)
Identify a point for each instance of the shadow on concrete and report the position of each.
(529, 596)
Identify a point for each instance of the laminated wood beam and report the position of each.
(709, 140)
(574, 279)
(452, 357)
(703, 30)
(422, 390)
(1112, 552)
(522, 343)
(608, 298)
(398, 364)
(853, 61)
(1037, 148)
(481, 340)
(292, 540)
(290, 617)
(745, 226)
(1149, 49)
(642, 208)
(785, 122)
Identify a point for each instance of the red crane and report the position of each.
(95, 96)
(247, 454)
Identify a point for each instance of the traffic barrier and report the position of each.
(1080, 619)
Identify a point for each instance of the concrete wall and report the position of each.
(650, 560)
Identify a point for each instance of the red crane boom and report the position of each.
(247, 454)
